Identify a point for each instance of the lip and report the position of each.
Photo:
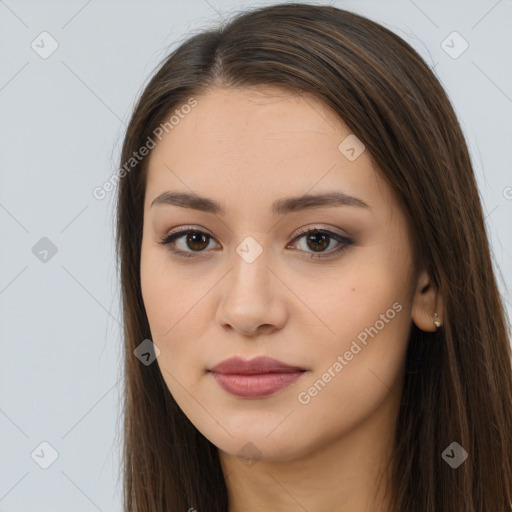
(256, 378)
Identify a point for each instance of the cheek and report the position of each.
(369, 313)
(360, 371)
(175, 312)
(167, 296)
(157, 294)
(356, 299)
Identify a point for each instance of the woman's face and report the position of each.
(336, 306)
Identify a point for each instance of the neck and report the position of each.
(349, 472)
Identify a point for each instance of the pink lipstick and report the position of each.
(256, 378)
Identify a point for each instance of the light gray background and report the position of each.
(61, 125)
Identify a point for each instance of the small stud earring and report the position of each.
(436, 321)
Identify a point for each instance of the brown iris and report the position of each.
(197, 241)
(321, 241)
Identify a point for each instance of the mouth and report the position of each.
(256, 378)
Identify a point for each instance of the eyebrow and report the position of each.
(279, 207)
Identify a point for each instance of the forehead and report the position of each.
(254, 119)
(261, 143)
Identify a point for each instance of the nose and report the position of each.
(253, 299)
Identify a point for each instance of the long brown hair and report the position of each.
(458, 381)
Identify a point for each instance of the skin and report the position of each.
(246, 149)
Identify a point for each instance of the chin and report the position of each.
(250, 442)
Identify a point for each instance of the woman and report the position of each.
(300, 236)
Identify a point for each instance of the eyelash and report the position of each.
(345, 242)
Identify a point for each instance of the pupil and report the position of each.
(191, 241)
(323, 237)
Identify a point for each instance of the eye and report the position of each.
(316, 239)
(320, 239)
(194, 239)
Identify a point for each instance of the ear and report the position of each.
(426, 301)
